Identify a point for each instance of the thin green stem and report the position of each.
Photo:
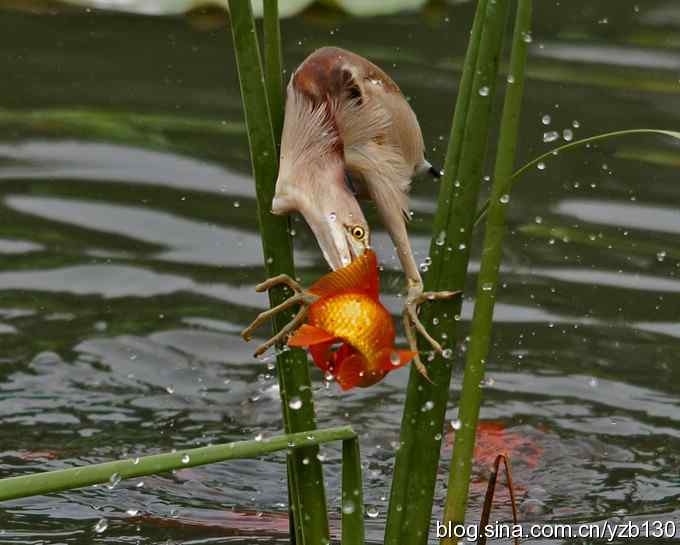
(480, 336)
(76, 477)
(352, 495)
(305, 472)
(273, 64)
(509, 182)
(417, 461)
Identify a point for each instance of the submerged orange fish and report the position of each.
(348, 311)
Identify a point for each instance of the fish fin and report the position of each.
(350, 372)
(405, 357)
(345, 351)
(362, 273)
(309, 335)
(322, 355)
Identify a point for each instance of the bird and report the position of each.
(349, 134)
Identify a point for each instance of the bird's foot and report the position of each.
(412, 324)
(300, 297)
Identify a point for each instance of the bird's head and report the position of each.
(332, 212)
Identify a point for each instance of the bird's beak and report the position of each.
(330, 214)
(332, 239)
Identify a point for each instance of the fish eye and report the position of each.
(358, 232)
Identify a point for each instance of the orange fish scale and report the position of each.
(357, 319)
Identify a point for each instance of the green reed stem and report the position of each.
(273, 64)
(417, 460)
(510, 181)
(352, 495)
(482, 320)
(76, 477)
(305, 472)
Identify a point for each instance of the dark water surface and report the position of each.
(130, 252)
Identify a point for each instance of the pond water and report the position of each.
(130, 252)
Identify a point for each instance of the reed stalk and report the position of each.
(418, 455)
(511, 180)
(352, 495)
(273, 65)
(306, 486)
(487, 280)
(113, 472)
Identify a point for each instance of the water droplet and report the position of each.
(132, 512)
(510, 78)
(259, 437)
(484, 91)
(550, 136)
(532, 507)
(305, 461)
(487, 286)
(348, 507)
(332, 216)
(546, 119)
(447, 353)
(101, 526)
(568, 135)
(186, 459)
(660, 256)
(372, 512)
(576, 123)
(295, 403)
(435, 321)
(170, 389)
(394, 358)
(427, 406)
(526, 36)
(538, 219)
(114, 479)
(487, 382)
(456, 424)
(237, 204)
(593, 382)
(441, 238)
(540, 165)
(135, 460)
(462, 246)
(504, 199)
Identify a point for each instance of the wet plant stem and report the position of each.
(487, 280)
(305, 473)
(418, 456)
(113, 472)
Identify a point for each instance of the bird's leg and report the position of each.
(415, 295)
(301, 297)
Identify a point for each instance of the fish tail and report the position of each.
(391, 358)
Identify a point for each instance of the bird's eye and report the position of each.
(358, 232)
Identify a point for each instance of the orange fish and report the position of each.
(348, 311)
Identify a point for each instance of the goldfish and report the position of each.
(347, 311)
